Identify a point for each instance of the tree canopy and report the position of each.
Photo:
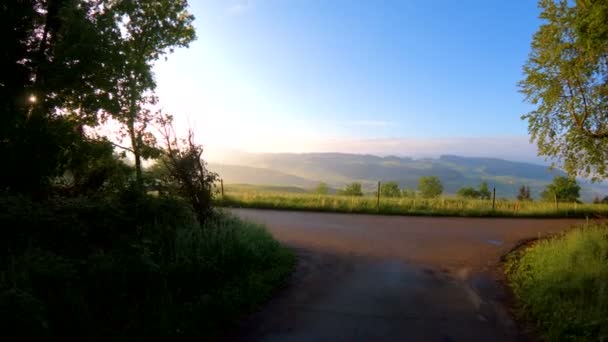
(321, 189)
(390, 189)
(564, 189)
(352, 189)
(430, 187)
(566, 80)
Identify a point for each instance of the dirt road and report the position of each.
(389, 278)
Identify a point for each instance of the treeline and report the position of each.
(85, 252)
(562, 189)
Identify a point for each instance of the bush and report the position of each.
(353, 189)
(430, 187)
(561, 284)
(129, 267)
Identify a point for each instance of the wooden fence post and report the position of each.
(494, 199)
(378, 200)
(555, 198)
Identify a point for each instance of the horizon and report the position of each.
(424, 77)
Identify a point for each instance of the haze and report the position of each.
(418, 78)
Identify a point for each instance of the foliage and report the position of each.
(468, 192)
(390, 189)
(352, 189)
(562, 189)
(186, 170)
(566, 79)
(129, 267)
(251, 198)
(321, 189)
(430, 187)
(408, 193)
(524, 193)
(561, 284)
(54, 83)
(484, 192)
(148, 30)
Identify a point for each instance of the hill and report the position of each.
(305, 170)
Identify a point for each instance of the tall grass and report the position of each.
(102, 269)
(562, 284)
(409, 206)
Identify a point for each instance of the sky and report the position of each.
(415, 78)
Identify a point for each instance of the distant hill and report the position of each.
(305, 170)
(240, 174)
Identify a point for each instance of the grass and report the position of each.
(562, 284)
(408, 206)
(114, 269)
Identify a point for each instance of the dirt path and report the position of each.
(389, 278)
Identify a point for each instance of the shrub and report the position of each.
(132, 266)
(561, 284)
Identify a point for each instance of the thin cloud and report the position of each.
(240, 7)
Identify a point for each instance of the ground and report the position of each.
(363, 277)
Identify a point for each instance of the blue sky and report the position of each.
(384, 77)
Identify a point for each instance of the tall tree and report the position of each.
(484, 192)
(430, 187)
(566, 79)
(524, 193)
(149, 30)
(563, 189)
(54, 82)
(390, 189)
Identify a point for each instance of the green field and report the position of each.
(445, 206)
(561, 284)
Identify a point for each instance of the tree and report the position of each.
(353, 189)
(484, 192)
(468, 192)
(321, 189)
(55, 54)
(566, 79)
(564, 189)
(408, 193)
(149, 30)
(430, 187)
(524, 193)
(187, 170)
(390, 189)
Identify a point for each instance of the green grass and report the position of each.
(407, 206)
(118, 269)
(562, 284)
(242, 188)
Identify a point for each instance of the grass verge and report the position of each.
(561, 284)
(124, 268)
(410, 206)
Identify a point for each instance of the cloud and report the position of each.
(240, 7)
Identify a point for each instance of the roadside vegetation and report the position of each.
(559, 199)
(561, 284)
(408, 206)
(93, 245)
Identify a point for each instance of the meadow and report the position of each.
(560, 284)
(443, 206)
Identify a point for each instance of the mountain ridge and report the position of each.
(337, 169)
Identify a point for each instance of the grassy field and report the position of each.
(407, 206)
(562, 284)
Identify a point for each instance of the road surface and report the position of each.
(391, 278)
